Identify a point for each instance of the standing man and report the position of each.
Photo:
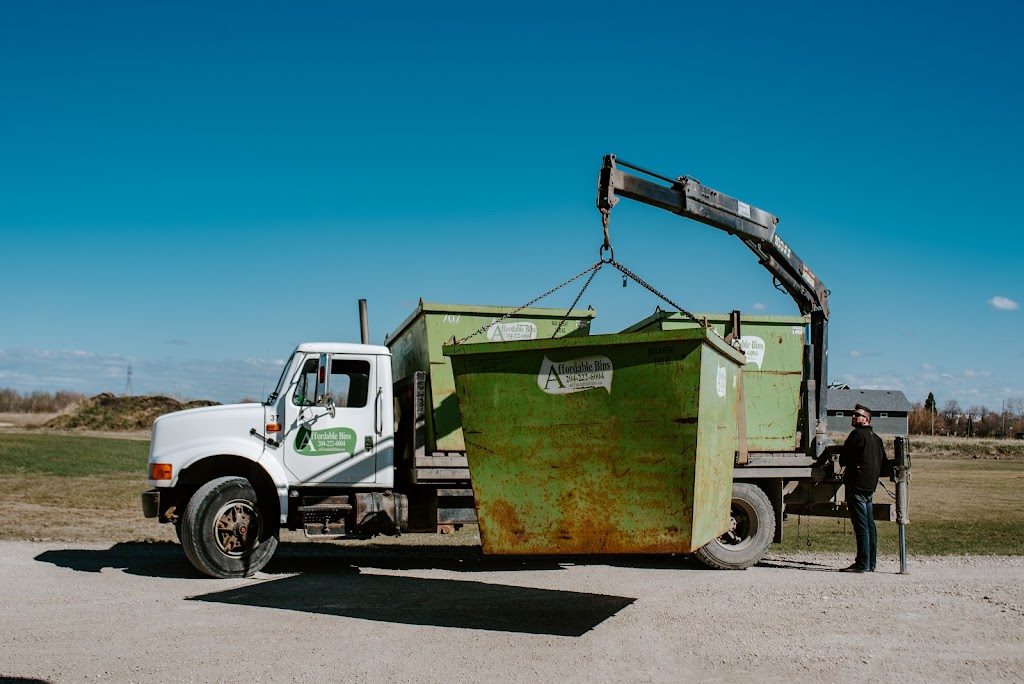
(862, 456)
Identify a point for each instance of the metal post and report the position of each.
(901, 476)
(364, 324)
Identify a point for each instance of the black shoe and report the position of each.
(854, 568)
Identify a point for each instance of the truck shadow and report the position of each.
(323, 580)
(430, 602)
(158, 559)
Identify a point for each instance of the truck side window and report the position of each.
(305, 388)
(350, 382)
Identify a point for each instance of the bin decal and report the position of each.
(575, 375)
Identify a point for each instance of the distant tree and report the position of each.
(929, 404)
(952, 417)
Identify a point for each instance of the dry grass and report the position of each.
(957, 506)
(22, 420)
(48, 508)
(974, 448)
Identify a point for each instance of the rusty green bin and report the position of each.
(608, 444)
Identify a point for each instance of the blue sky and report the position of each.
(195, 188)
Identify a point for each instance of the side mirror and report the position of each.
(323, 391)
(321, 381)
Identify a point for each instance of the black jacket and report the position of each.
(862, 456)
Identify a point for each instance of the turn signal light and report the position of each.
(161, 471)
(273, 427)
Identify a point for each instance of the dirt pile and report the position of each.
(107, 412)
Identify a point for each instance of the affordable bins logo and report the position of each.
(325, 442)
(510, 332)
(753, 347)
(575, 375)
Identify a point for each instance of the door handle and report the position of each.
(368, 443)
(378, 411)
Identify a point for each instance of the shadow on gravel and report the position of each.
(158, 559)
(787, 564)
(166, 559)
(327, 580)
(433, 602)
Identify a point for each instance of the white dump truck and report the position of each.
(358, 440)
(355, 440)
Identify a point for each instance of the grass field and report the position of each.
(957, 506)
(67, 487)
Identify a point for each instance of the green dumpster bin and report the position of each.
(416, 346)
(772, 376)
(607, 444)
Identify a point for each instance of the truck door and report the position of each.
(333, 441)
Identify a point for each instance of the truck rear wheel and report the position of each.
(751, 529)
(223, 531)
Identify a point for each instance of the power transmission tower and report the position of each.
(128, 381)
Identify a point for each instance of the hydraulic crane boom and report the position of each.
(757, 229)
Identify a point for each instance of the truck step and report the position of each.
(323, 517)
(325, 507)
(325, 531)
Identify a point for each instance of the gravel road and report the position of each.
(421, 613)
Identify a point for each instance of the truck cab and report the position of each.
(317, 455)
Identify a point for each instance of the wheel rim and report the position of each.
(742, 525)
(236, 528)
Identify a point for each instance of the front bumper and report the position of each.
(151, 503)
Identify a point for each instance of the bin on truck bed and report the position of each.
(772, 376)
(613, 444)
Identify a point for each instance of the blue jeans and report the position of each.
(859, 503)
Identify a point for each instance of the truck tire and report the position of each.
(751, 530)
(223, 531)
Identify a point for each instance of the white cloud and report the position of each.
(1003, 304)
(927, 367)
(758, 306)
(977, 374)
(856, 354)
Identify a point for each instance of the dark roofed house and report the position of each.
(889, 409)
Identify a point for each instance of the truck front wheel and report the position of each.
(751, 529)
(223, 531)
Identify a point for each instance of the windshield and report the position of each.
(280, 381)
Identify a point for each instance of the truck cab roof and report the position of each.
(342, 348)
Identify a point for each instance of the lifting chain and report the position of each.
(593, 272)
(595, 268)
(606, 246)
(606, 214)
(626, 272)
